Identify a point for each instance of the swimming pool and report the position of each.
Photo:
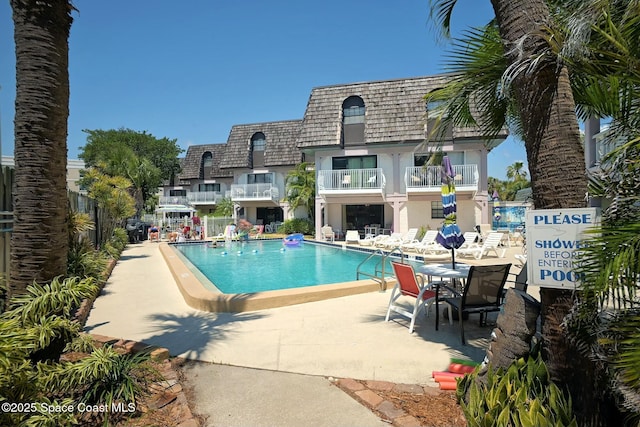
(267, 265)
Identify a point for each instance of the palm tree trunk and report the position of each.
(555, 155)
(39, 243)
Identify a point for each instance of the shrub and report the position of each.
(523, 396)
(33, 333)
(297, 225)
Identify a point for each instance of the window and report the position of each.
(260, 178)
(208, 187)
(355, 162)
(353, 113)
(177, 193)
(206, 164)
(437, 212)
(258, 146)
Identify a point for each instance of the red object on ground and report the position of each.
(445, 373)
(460, 369)
(445, 378)
(448, 385)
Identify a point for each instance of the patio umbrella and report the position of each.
(449, 235)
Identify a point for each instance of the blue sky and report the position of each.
(191, 70)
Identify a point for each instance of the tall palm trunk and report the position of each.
(555, 155)
(39, 243)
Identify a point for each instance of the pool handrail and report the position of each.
(380, 266)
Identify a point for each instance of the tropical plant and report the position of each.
(112, 195)
(138, 156)
(83, 260)
(521, 396)
(224, 207)
(39, 238)
(300, 186)
(34, 333)
(297, 225)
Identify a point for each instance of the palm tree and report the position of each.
(39, 242)
(516, 172)
(605, 83)
(301, 188)
(535, 87)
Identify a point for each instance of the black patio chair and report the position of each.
(482, 293)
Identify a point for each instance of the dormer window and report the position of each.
(206, 164)
(353, 114)
(258, 145)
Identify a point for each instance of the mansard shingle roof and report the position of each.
(395, 111)
(193, 159)
(280, 148)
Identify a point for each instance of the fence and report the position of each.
(6, 218)
(77, 202)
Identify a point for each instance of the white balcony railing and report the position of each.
(200, 197)
(419, 178)
(255, 192)
(349, 180)
(173, 200)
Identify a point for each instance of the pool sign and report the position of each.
(554, 238)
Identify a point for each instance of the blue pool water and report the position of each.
(267, 265)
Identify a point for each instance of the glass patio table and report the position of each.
(457, 276)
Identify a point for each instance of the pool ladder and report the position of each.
(379, 272)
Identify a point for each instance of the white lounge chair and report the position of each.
(428, 238)
(352, 236)
(381, 241)
(491, 243)
(408, 237)
(470, 238)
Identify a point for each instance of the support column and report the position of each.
(320, 219)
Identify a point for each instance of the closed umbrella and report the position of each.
(449, 235)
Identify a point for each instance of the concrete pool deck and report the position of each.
(344, 337)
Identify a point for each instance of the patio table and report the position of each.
(458, 276)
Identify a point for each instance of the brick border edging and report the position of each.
(365, 392)
(170, 383)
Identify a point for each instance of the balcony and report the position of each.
(173, 200)
(205, 197)
(419, 179)
(255, 192)
(349, 181)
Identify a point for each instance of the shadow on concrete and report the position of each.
(188, 335)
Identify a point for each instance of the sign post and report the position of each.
(554, 239)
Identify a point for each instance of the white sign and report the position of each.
(554, 238)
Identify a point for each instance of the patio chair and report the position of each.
(410, 285)
(491, 243)
(327, 233)
(470, 240)
(428, 239)
(352, 236)
(482, 293)
(408, 237)
(384, 239)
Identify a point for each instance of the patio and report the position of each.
(341, 337)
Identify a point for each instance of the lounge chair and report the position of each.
(491, 243)
(352, 236)
(470, 240)
(482, 293)
(327, 233)
(383, 239)
(428, 239)
(410, 285)
(408, 237)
